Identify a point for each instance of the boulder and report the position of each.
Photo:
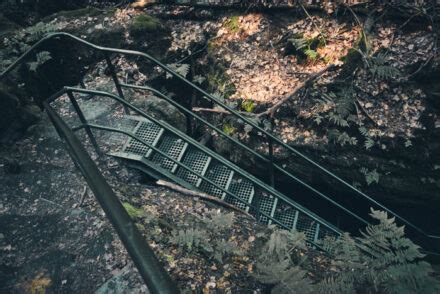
(161, 109)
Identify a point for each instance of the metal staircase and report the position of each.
(161, 149)
(193, 168)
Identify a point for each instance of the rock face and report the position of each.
(161, 109)
(68, 60)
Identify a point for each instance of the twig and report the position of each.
(219, 111)
(83, 196)
(270, 111)
(201, 195)
(364, 111)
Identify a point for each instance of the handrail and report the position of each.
(152, 272)
(226, 107)
(207, 151)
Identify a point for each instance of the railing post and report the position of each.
(83, 120)
(271, 168)
(115, 80)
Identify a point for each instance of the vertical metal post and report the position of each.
(83, 120)
(116, 80)
(271, 169)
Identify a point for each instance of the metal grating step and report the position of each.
(308, 226)
(243, 189)
(196, 161)
(287, 215)
(172, 146)
(219, 174)
(266, 204)
(148, 132)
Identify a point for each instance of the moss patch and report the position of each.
(134, 212)
(232, 24)
(143, 23)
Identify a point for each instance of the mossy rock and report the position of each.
(144, 24)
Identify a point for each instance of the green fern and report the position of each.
(342, 138)
(219, 221)
(181, 69)
(311, 54)
(276, 267)
(370, 176)
(379, 68)
(299, 44)
(191, 239)
(381, 261)
(42, 58)
(337, 119)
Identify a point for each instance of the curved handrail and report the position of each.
(226, 107)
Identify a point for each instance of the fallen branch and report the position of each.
(364, 111)
(201, 195)
(219, 111)
(271, 110)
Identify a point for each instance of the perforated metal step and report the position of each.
(172, 146)
(145, 130)
(243, 189)
(219, 174)
(198, 162)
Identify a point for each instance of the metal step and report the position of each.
(244, 190)
(266, 204)
(172, 146)
(198, 162)
(145, 130)
(219, 174)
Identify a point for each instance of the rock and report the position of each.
(161, 109)
(149, 35)
(66, 67)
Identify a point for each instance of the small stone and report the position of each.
(411, 46)
(368, 105)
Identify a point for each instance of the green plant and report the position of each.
(378, 67)
(369, 142)
(306, 48)
(248, 105)
(219, 221)
(42, 58)
(341, 138)
(225, 248)
(233, 24)
(191, 239)
(275, 265)
(370, 176)
(229, 129)
(382, 260)
(181, 69)
(134, 212)
(144, 23)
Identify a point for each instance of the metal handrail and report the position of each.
(150, 269)
(231, 111)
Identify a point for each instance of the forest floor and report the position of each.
(55, 237)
